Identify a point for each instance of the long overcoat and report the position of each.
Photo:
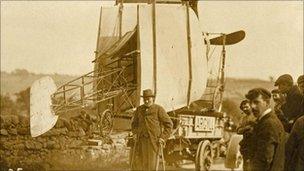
(294, 106)
(155, 121)
(294, 159)
(269, 145)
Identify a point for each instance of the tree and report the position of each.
(20, 72)
(23, 100)
(232, 109)
(7, 105)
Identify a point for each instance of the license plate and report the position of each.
(204, 123)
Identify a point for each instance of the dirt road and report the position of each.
(218, 165)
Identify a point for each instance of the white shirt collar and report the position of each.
(265, 113)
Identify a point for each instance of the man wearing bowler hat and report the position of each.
(152, 126)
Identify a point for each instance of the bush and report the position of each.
(7, 105)
(23, 100)
(20, 72)
(231, 107)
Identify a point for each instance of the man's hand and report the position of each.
(161, 142)
(134, 136)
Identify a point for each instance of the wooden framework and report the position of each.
(78, 93)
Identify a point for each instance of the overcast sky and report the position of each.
(60, 36)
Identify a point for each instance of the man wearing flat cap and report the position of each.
(293, 105)
(300, 82)
(279, 100)
(294, 148)
(268, 148)
(152, 127)
(294, 151)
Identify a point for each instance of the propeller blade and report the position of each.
(231, 38)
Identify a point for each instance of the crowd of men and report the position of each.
(273, 138)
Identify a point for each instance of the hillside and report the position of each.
(237, 88)
(17, 81)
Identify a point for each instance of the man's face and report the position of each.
(283, 87)
(258, 106)
(301, 87)
(276, 97)
(148, 101)
(246, 108)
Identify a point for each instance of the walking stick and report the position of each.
(160, 153)
(157, 161)
(133, 152)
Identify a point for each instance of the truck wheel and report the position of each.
(203, 158)
(233, 155)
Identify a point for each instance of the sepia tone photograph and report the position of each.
(152, 85)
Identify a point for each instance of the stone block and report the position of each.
(4, 132)
(23, 130)
(50, 144)
(81, 132)
(7, 145)
(106, 146)
(94, 142)
(12, 131)
(19, 146)
(32, 145)
(75, 144)
(73, 134)
(24, 121)
(8, 120)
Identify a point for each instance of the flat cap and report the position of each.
(300, 79)
(254, 93)
(286, 78)
(275, 91)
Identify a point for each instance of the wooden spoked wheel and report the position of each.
(203, 158)
(106, 121)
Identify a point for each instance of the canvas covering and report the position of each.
(172, 57)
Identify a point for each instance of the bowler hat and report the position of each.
(148, 93)
(300, 79)
(286, 78)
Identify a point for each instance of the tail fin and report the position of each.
(42, 117)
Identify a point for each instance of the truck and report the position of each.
(156, 45)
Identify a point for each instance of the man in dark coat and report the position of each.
(278, 102)
(268, 147)
(300, 82)
(245, 128)
(152, 126)
(294, 150)
(293, 106)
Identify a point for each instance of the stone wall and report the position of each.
(59, 148)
